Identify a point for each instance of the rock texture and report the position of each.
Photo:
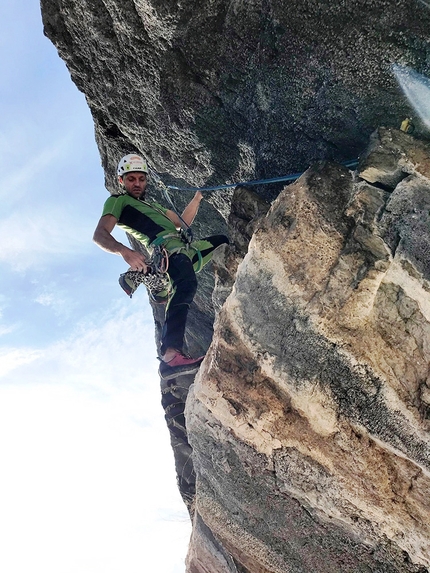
(304, 443)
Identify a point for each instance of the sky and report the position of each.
(87, 480)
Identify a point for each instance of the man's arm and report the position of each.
(189, 212)
(103, 238)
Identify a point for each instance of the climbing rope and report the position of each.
(292, 177)
(186, 228)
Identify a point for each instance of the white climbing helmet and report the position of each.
(131, 162)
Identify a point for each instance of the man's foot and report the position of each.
(179, 365)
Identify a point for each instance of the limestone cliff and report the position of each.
(308, 423)
(309, 419)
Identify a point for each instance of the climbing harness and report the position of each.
(187, 246)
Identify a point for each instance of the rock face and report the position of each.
(309, 419)
(304, 444)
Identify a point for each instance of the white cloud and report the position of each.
(23, 167)
(46, 299)
(31, 238)
(88, 467)
(6, 330)
(118, 352)
(83, 487)
(13, 358)
(113, 351)
(57, 300)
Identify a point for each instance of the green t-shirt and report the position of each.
(144, 221)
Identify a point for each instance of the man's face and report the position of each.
(135, 183)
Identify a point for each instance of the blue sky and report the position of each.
(87, 481)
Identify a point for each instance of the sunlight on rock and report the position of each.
(416, 88)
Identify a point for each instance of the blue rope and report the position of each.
(188, 234)
(293, 177)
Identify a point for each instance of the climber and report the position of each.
(150, 224)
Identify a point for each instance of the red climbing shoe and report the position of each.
(179, 365)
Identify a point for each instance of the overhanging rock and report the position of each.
(226, 90)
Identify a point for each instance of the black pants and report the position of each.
(183, 277)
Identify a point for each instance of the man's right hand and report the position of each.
(103, 238)
(135, 259)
